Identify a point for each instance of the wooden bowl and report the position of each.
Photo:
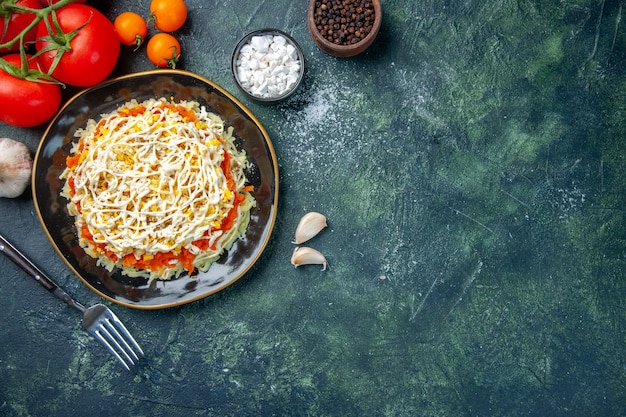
(344, 51)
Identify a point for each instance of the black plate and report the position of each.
(59, 225)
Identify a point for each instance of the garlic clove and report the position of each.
(307, 256)
(16, 166)
(310, 225)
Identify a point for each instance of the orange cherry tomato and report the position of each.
(163, 50)
(169, 15)
(131, 28)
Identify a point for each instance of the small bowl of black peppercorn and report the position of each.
(344, 28)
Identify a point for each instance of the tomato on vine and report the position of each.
(49, 2)
(79, 47)
(27, 97)
(168, 15)
(163, 50)
(15, 18)
(131, 28)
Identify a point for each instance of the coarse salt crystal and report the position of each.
(291, 51)
(279, 41)
(268, 66)
(260, 43)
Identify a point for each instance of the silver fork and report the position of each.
(98, 320)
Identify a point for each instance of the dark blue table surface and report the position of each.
(472, 167)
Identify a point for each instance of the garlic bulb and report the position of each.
(310, 225)
(16, 166)
(307, 256)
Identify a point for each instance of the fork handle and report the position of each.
(23, 262)
(37, 274)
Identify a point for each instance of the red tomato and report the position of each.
(26, 103)
(94, 48)
(49, 2)
(17, 22)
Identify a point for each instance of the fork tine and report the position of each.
(104, 325)
(112, 333)
(105, 337)
(118, 340)
(126, 336)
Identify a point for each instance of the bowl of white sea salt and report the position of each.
(267, 65)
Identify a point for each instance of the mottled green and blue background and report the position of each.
(472, 166)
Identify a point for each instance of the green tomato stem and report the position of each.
(40, 14)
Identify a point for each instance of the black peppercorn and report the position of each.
(344, 22)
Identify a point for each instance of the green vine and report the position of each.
(60, 40)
